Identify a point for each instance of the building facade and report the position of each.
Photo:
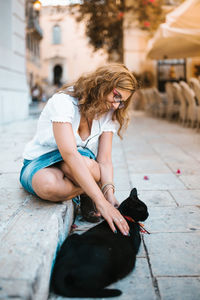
(65, 52)
(13, 84)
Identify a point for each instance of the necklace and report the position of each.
(88, 139)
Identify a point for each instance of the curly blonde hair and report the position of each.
(91, 90)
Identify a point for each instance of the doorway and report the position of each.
(57, 75)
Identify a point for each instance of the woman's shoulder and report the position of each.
(107, 116)
(61, 107)
(62, 98)
(107, 123)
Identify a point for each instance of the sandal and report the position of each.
(88, 209)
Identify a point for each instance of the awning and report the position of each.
(179, 37)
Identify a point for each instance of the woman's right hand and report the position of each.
(113, 217)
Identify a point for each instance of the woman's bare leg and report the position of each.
(51, 184)
(56, 184)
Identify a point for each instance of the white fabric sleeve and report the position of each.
(111, 126)
(61, 108)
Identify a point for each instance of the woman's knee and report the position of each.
(91, 164)
(46, 186)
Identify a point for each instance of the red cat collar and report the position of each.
(142, 229)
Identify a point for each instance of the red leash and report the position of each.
(142, 229)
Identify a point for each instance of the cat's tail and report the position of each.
(105, 293)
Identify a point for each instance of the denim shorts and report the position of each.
(30, 167)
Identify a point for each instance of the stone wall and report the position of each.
(13, 84)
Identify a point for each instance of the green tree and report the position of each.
(104, 21)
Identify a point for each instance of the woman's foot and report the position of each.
(88, 209)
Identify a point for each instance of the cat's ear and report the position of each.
(133, 193)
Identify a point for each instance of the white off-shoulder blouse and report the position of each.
(64, 108)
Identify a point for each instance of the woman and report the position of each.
(70, 154)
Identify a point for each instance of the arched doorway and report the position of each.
(57, 75)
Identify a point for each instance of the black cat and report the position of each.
(87, 263)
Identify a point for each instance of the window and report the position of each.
(56, 34)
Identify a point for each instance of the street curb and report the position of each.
(32, 239)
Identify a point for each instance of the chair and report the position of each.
(148, 100)
(183, 104)
(192, 106)
(161, 102)
(144, 99)
(195, 85)
(173, 104)
(152, 101)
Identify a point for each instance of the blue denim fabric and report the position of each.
(30, 167)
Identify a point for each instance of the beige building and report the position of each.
(13, 83)
(135, 47)
(65, 52)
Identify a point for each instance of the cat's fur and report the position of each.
(87, 263)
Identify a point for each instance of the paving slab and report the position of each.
(121, 195)
(157, 198)
(174, 254)
(166, 149)
(186, 165)
(157, 182)
(173, 219)
(191, 181)
(140, 147)
(179, 288)
(146, 165)
(186, 197)
(122, 182)
(176, 158)
(138, 284)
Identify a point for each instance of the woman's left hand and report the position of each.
(113, 217)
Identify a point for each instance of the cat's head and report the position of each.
(134, 207)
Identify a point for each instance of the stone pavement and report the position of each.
(168, 264)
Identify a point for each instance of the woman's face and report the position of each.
(116, 98)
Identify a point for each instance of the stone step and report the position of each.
(29, 241)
